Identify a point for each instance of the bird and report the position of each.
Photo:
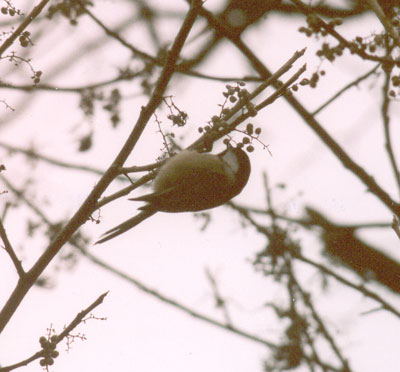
(190, 182)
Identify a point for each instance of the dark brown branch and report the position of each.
(89, 205)
(360, 288)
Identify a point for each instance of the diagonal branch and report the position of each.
(89, 205)
(322, 268)
(31, 16)
(310, 120)
(75, 322)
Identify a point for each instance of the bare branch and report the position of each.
(320, 322)
(18, 31)
(344, 89)
(360, 288)
(89, 204)
(78, 319)
(175, 303)
(220, 302)
(310, 120)
(376, 8)
(331, 30)
(9, 249)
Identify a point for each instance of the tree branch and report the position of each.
(9, 249)
(18, 31)
(89, 205)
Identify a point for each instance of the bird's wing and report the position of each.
(197, 190)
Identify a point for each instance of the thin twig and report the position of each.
(9, 249)
(142, 168)
(386, 129)
(80, 316)
(272, 80)
(33, 154)
(331, 30)
(220, 302)
(174, 303)
(282, 90)
(116, 36)
(344, 89)
(75, 89)
(283, 69)
(78, 319)
(320, 323)
(360, 288)
(179, 69)
(123, 192)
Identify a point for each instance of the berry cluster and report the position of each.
(219, 124)
(49, 350)
(395, 80)
(238, 93)
(10, 10)
(312, 82)
(24, 39)
(317, 26)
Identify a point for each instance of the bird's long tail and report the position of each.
(125, 226)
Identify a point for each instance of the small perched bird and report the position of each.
(191, 182)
